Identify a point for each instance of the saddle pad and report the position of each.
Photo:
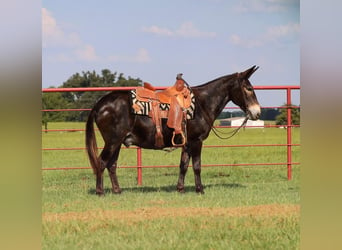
(145, 107)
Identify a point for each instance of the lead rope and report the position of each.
(216, 131)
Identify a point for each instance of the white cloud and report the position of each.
(157, 30)
(189, 30)
(86, 53)
(264, 5)
(53, 34)
(186, 30)
(235, 39)
(74, 49)
(50, 29)
(273, 34)
(142, 56)
(282, 31)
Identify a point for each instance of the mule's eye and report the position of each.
(249, 88)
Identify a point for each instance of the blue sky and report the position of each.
(155, 40)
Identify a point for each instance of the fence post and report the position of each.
(289, 135)
(139, 166)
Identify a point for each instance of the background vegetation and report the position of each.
(82, 100)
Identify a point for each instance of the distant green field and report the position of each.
(249, 207)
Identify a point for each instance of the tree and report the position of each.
(53, 101)
(82, 100)
(281, 119)
(269, 114)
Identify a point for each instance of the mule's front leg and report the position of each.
(196, 162)
(183, 168)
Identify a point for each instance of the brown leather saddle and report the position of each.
(178, 98)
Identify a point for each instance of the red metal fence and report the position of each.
(140, 166)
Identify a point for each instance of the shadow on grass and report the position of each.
(168, 189)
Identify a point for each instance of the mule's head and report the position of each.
(243, 94)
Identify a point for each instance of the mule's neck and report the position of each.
(215, 95)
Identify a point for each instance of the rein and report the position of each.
(216, 131)
(231, 133)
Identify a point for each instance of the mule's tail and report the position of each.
(91, 142)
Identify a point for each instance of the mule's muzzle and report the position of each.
(254, 112)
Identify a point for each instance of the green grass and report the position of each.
(155, 215)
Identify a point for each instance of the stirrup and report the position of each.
(173, 139)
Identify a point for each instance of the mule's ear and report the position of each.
(247, 74)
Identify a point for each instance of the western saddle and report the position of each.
(178, 97)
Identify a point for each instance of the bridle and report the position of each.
(231, 133)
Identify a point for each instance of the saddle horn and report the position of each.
(180, 77)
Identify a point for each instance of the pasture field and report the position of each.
(245, 207)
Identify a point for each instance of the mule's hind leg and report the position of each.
(112, 171)
(99, 181)
(108, 156)
(99, 177)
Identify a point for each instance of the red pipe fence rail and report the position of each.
(139, 166)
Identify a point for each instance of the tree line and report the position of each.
(86, 100)
(81, 100)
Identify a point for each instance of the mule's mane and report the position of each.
(224, 78)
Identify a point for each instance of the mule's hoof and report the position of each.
(100, 194)
(200, 190)
(181, 189)
(116, 191)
